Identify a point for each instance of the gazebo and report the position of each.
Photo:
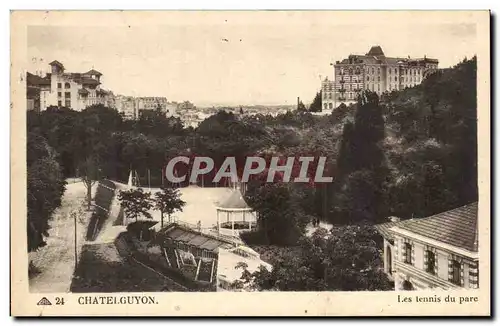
(235, 209)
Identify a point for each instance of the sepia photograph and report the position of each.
(250, 153)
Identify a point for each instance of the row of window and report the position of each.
(67, 103)
(430, 266)
(66, 94)
(406, 71)
(66, 85)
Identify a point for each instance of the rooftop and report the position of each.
(234, 201)
(93, 72)
(34, 80)
(377, 55)
(456, 227)
(56, 63)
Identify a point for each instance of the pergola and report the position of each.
(235, 209)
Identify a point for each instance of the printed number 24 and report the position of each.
(59, 301)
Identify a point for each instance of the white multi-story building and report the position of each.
(76, 90)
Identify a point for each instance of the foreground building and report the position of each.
(378, 73)
(437, 252)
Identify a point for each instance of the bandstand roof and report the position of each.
(235, 202)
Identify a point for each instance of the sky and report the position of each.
(227, 62)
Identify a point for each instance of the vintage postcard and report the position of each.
(250, 163)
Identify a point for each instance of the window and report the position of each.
(59, 103)
(367, 78)
(379, 79)
(59, 94)
(67, 94)
(407, 253)
(378, 71)
(350, 71)
(67, 85)
(373, 71)
(396, 78)
(326, 106)
(59, 85)
(431, 262)
(67, 103)
(456, 272)
(330, 106)
(390, 71)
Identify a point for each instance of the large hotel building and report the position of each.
(375, 72)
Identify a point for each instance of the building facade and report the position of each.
(126, 106)
(37, 92)
(131, 107)
(436, 252)
(327, 94)
(378, 73)
(76, 90)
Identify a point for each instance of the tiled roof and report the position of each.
(235, 201)
(457, 227)
(375, 50)
(56, 63)
(89, 81)
(34, 80)
(93, 72)
(383, 229)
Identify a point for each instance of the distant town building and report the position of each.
(131, 107)
(327, 94)
(436, 252)
(126, 106)
(378, 73)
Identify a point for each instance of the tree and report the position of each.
(45, 187)
(88, 172)
(301, 107)
(280, 216)
(168, 201)
(347, 259)
(361, 164)
(135, 203)
(316, 103)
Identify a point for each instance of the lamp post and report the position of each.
(76, 250)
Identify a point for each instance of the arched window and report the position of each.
(67, 85)
(330, 105)
(350, 71)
